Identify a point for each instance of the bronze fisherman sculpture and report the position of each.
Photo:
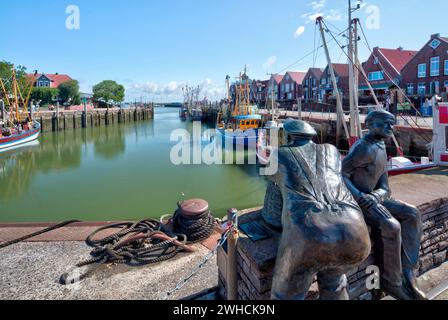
(399, 224)
(324, 232)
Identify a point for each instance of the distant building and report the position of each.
(291, 86)
(341, 71)
(426, 74)
(383, 69)
(274, 84)
(310, 85)
(49, 80)
(259, 91)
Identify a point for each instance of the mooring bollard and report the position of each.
(84, 119)
(41, 124)
(64, 119)
(232, 241)
(74, 121)
(54, 122)
(91, 120)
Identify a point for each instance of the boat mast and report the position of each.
(272, 100)
(356, 69)
(16, 98)
(339, 109)
(353, 86)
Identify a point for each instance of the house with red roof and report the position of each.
(341, 71)
(426, 74)
(259, 91)
(291, 87)
(274, 84)
(48, 80)
(383, 69)
(311, 84)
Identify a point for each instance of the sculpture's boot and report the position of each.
(411, 284)
(332, 285)
(398, 292)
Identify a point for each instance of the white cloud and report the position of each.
(317, 5)
(320, 11)
(172, 91)
(333, 15)
(271, 60)
(300, 30)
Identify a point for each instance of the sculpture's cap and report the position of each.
(299, 128)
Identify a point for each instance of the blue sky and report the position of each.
(153, 47)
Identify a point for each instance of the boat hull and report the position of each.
(409, 169)
(8, 143)
(240, 138)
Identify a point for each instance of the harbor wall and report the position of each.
(70, 120)
(413, 141)
(256, 260)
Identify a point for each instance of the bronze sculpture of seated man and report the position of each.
(324, 232)
(399, 224)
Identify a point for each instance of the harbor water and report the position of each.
(117, 172)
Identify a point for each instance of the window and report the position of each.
(375, 76)
(421, 88)
(435, 66)
(323, 81)
(410, 89)
(446, 67)
(435, 44)
(422, 70)
(434, 87)
(375, 60)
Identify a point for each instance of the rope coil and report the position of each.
(135, 244)
(196, 228)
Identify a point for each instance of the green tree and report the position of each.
(6, 76)
(69, 92)
(45, 95)
(108, 92)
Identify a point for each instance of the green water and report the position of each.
(118, 172)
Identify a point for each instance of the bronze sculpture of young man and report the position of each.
(399, 224)
(324, 232)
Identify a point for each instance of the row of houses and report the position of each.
(420, 74)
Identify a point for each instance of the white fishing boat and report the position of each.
(17, 124)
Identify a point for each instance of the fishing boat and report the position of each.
(191, 107)
(397, 165)
(242, 126)
(195, 114)
(17, 124)
(19, 136)
(183, 113)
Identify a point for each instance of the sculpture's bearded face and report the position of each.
(382, 127)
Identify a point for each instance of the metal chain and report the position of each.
(204, 261)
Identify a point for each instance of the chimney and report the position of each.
(435, 35)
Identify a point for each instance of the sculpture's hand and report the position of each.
(378, 211)
(382, 211)
(366, 201)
